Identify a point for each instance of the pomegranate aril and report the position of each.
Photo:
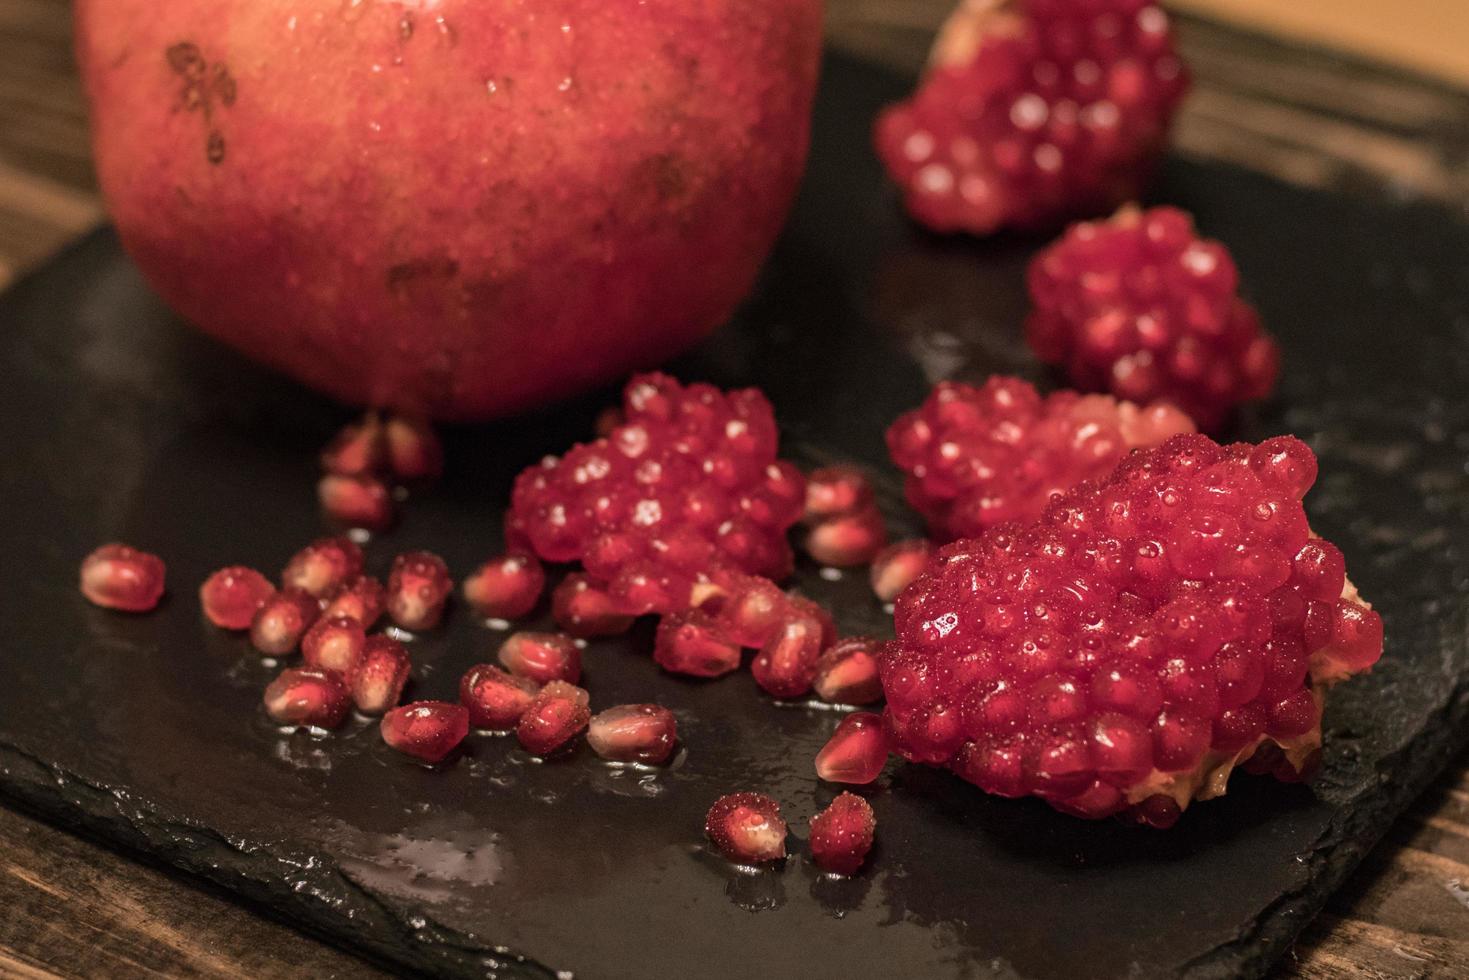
(856, 751)
(231, 596)
(381, 673)
(847, 673)
(559, 711)
(584, 610)
(334, 644)
(418, 587)
(306, 696)
(282, 620)
(833, 491)
(496, 700)
(786, 664)
(361, 598)
(847, 539)
(692, 644)
(426, 730)
(323, 566)
(747, 828)
(751, 610)
(506, 587)
(841, 835)
(116, 576)
(356, 501)
(358, 449)
(413, 449)
(896, 566)
(542, 657)
(643, 733)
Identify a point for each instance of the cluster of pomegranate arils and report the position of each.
(368, 463)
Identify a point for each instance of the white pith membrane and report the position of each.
(1210, 778)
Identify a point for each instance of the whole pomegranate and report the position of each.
(448, 206)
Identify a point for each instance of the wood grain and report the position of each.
(75, 909)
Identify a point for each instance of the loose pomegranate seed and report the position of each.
(687, 483)
(506, 587)
(847, 673)
(1031, 112)
(848, 539)
(414, 451)
(321, 567)
(786, 665)
(360, 598)
(542, 657)
(357, 450)
(282, 621)
(643, 733)
(841, 835)
(356, 501)
(306, 696)
(856, 752)
(418, 587)
(897, 565)
(382, 671)
(334, 644)
(583, 610)
(691, 644)
(118, 577)
(558, 712)
(231, 596)
(426, 730)
(1142, 307)
(496, 700)
(747, 828)
(977, 457)
(1149, 630)
(834, 491)
(752, 610)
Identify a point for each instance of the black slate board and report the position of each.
(118, 422)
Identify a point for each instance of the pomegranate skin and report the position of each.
(389, 201)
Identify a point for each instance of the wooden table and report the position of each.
(72, 908)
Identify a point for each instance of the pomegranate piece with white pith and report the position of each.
(356, 501)
(841, 835)
(426, 730)
(747, 828)
(231, 596)
(692, 644)
(1149, 632)
(116, 576)
(307, 697)
(643, 733)
(1033, 111)
(559, 711)
(896, 566)
(323, 566)
(418, 588)
(282, 620)
(847, 672)
(1142, 307)
(360, 598)
(381, 672)
(506, 587)
(496, 699)
(688, 481)
(856, 751)
(979, 456)
(542, 657)
(334, 643)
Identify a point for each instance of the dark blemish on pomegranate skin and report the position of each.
(405, 274)
(205, 87)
